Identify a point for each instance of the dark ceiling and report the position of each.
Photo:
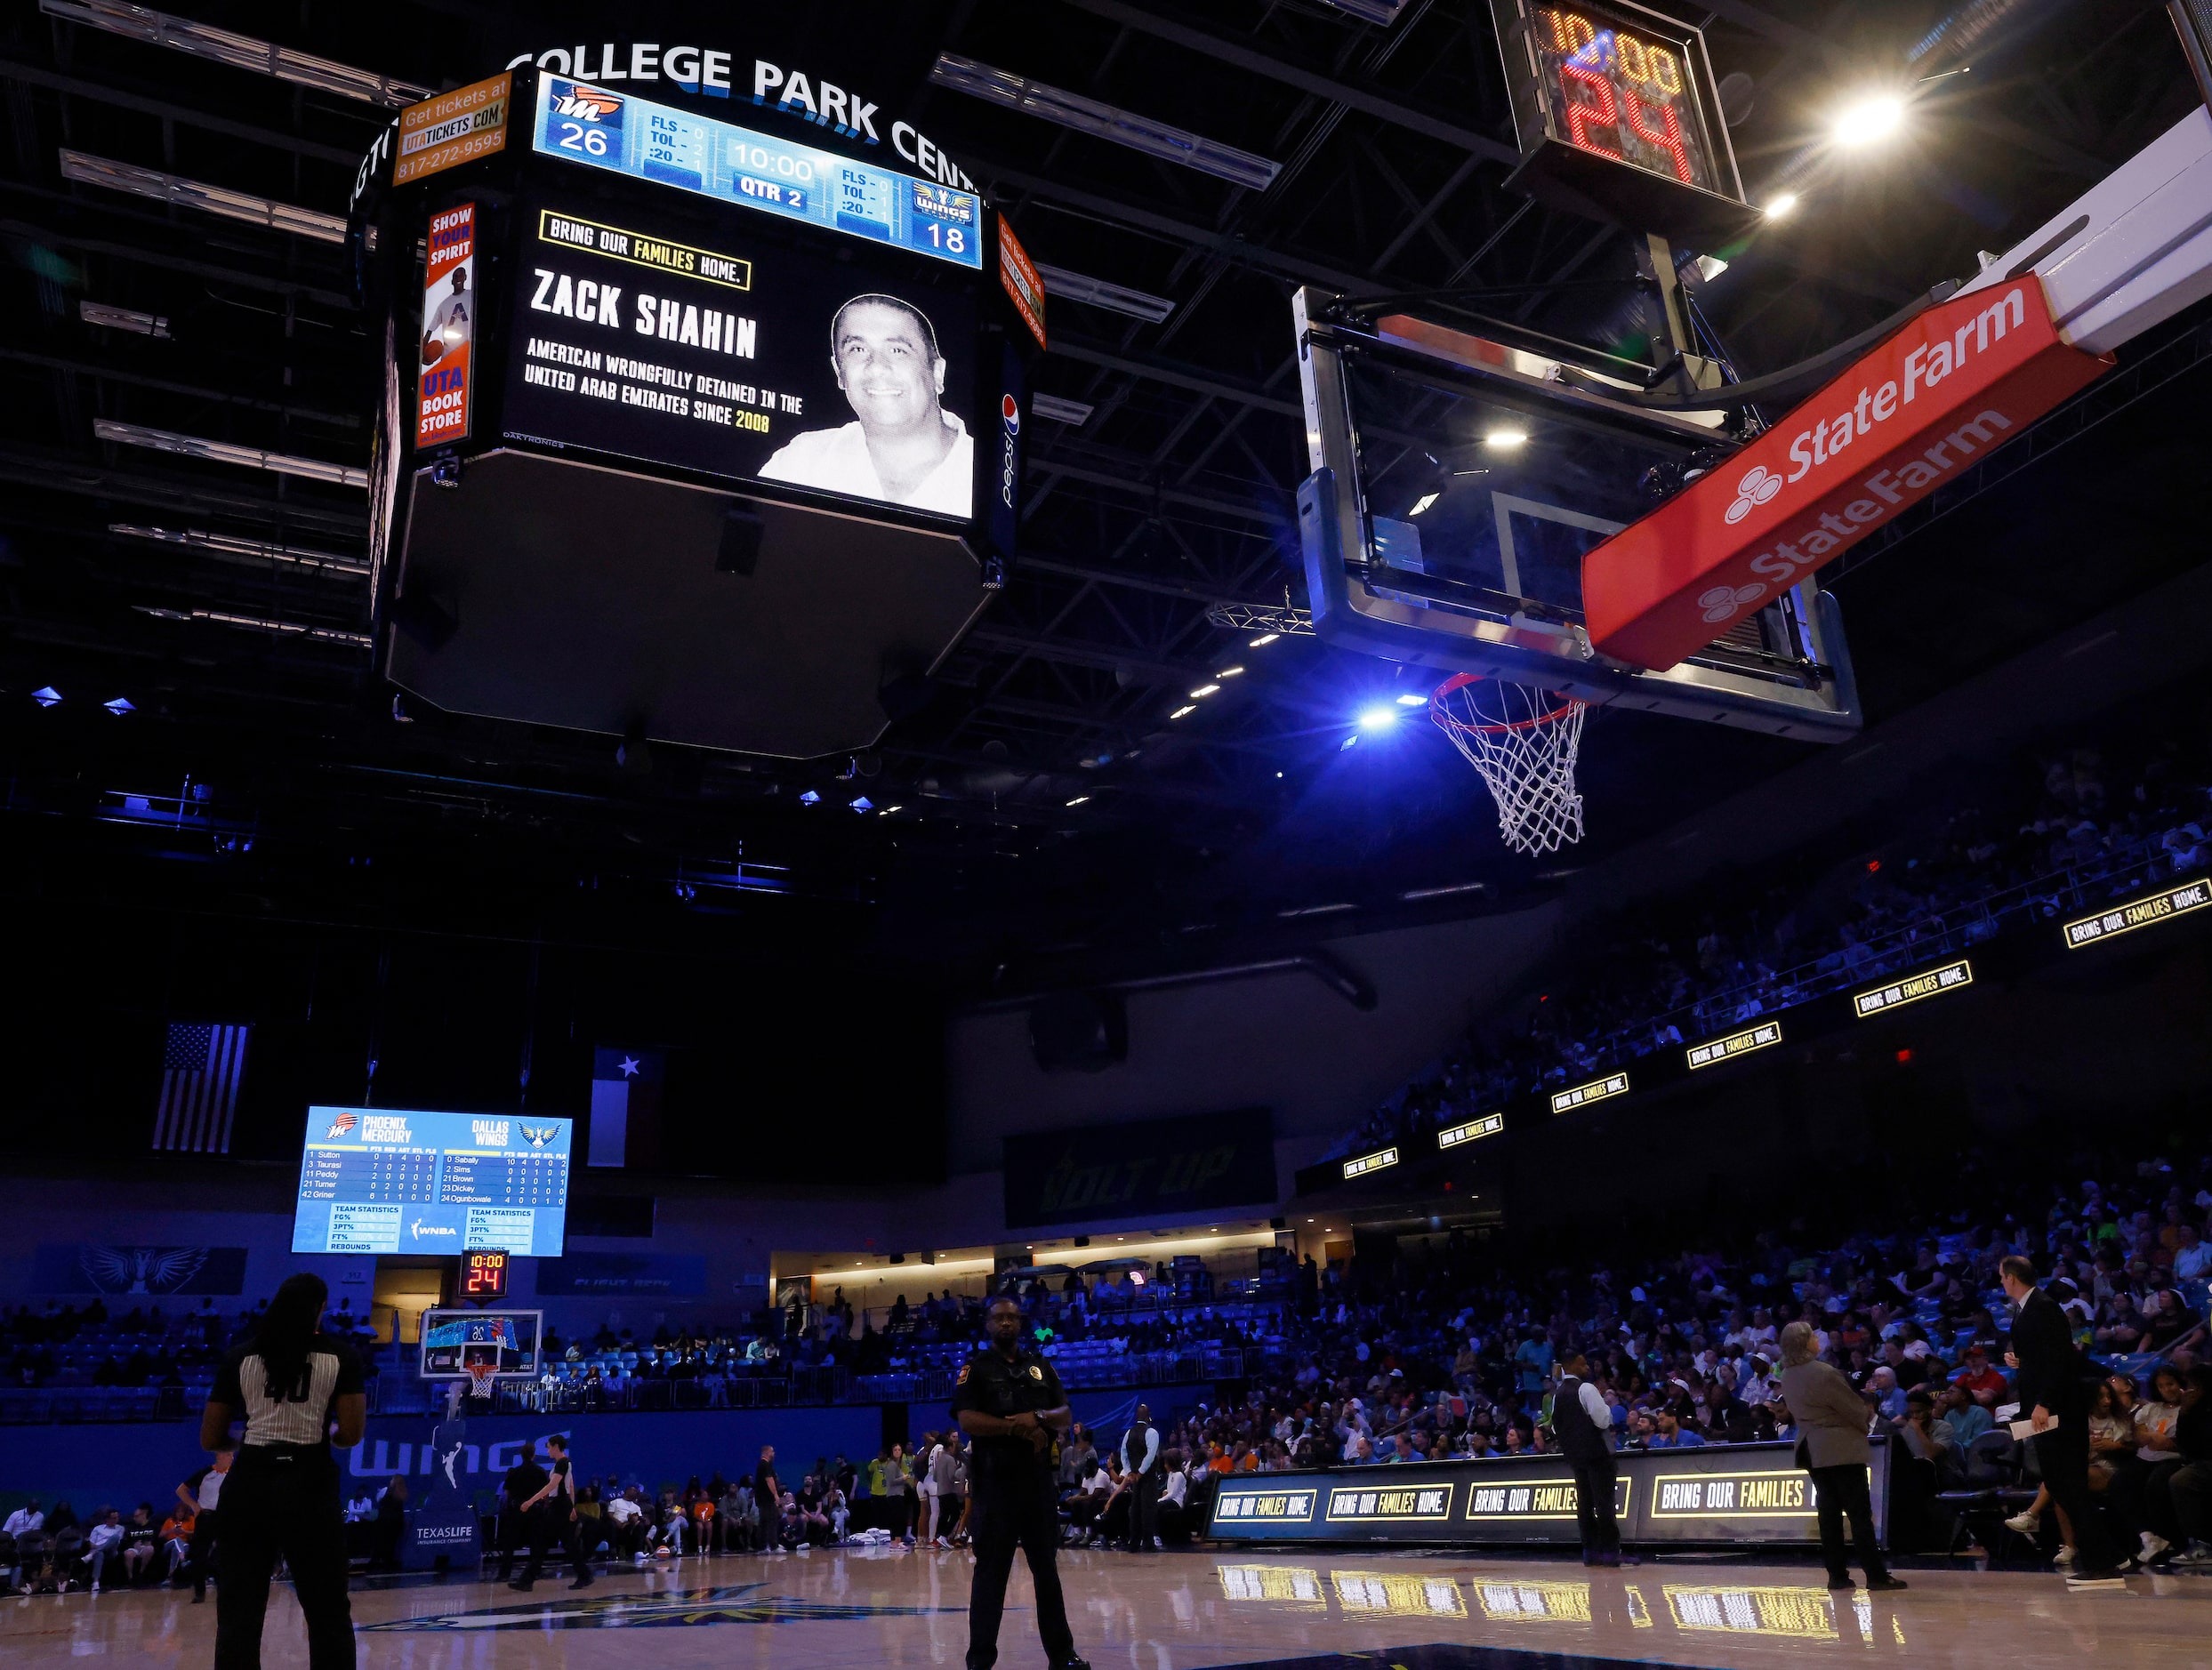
(289, 775)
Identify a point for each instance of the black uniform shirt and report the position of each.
(992, 1384)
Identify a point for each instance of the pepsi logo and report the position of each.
(1009, 410)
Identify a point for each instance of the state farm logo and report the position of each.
(1722, 602)
(1758, 486)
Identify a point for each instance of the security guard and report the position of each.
(1140, 1462)
(1582, 1423)
(1008, 1400)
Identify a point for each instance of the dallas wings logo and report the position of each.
(739, 1604)
(339, 1125)
(586, 104)
(540, 1135)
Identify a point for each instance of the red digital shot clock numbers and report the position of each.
(1622, 92)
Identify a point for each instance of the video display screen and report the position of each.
(627, 135)
(709, 353)
(381, 1180)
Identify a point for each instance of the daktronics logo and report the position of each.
(1949, 387)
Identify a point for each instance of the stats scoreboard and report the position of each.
(1618, 116)
(379, 1180)
(622, 134)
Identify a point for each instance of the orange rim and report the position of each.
(1444, 716)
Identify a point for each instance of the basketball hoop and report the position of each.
(481, 1375)
(1524, 741)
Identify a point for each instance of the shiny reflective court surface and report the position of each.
(1184, 1611)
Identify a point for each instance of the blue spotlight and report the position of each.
(46, 696)
(810, 797)
(1377, 719)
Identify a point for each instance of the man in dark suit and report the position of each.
(2054, 1398)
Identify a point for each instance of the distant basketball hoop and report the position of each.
(482, 1373)
(1524, 741)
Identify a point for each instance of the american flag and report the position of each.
(200, 1072)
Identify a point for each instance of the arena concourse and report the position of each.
(1323, 833)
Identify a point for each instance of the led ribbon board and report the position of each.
(1952, 977)
(1366, 1163)
(626, 135)
(1595, 1090)
(1489, 1125)
(1735, 1044)
(2124, 919)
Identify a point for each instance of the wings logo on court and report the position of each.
(538, 1136)
(741, 1603)
(339, 1125)
(586, 104)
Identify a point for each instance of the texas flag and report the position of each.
(626, 1106)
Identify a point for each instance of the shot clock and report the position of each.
(483, 1277)
(1617, 117)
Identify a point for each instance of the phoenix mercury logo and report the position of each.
(1758, 486)
(339, 1125)
(586, 104)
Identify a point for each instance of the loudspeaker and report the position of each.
(1078, 1031)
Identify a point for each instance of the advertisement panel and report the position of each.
(448, 344)
(1929, 403)
(1179, 1165)
(752, 363)
(454, 128)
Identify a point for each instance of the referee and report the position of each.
(290, 1383)
(1008, 1400)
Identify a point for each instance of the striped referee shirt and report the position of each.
(302, 1414)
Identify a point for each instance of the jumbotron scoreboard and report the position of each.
(696, 430)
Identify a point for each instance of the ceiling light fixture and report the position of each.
(1423, 503)
(196, 194)
(1263, 640)
(1229, 672)
(1055, 410)
(1205, 690)
(1868, 120)
(1188, 707)
(1782, 207)
(1104, 121)
(1098, 293)
(224, 453)
(1377, 719)
(1412, 699)
(1079, 799)
(1506, 441)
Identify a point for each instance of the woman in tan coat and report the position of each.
(1831, 1446)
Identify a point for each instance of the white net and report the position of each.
(1524, 741)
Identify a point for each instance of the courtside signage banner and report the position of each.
(1760, 1037)
(448, 346)
(454, 128)
(1731, 1493)
(1930, 402)
(2123, 918)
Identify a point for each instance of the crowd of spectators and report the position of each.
(2056, 835)
(68, 1344)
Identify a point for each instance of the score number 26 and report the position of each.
(576, 137)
